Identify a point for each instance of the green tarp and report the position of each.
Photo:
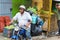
(17, 3)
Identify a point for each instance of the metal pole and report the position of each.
(50, 8)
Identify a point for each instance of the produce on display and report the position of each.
(32, 9)
(10, 27)
(2, 24)
(4, 21)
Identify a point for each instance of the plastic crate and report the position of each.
(7, 32)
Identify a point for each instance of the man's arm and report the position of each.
(29, 20)
(14, 18)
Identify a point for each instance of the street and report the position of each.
(34, 38)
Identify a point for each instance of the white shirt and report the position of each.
(22, 19)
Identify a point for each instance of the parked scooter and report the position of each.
(36, 25)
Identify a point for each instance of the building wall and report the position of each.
(5, 6)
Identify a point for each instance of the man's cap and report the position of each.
(22, 6)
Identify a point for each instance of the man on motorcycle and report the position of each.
(23, 18)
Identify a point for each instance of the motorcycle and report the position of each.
(18, 33)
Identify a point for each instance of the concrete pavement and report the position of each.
(34, 38)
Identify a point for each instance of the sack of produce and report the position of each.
(45, 25)
(1, 19)
(7, 20)
(2, 25)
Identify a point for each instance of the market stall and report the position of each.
(45, 11)
(52, 20)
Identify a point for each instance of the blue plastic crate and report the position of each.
(5, 32)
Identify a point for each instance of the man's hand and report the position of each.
(20, 25)
(27, 25)
(10, 22)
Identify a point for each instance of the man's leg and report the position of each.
(28, 35)
(59, 26)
